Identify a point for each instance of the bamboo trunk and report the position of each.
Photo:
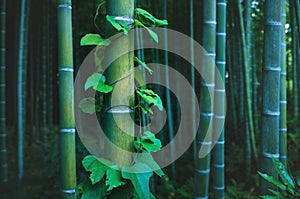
(66, 104)
(206, 100)
(271, 92)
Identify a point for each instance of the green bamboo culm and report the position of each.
(66, 99)
(118, 121)
(219, 103)
(271, 92)
(204, 137)
(20, 90)
(3, 135)
(283, 93)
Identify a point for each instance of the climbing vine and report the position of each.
(104, 175)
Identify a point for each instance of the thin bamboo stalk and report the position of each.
(66, 104)
(3, 134)
(271, 91)
(283, 95)
(219, 103)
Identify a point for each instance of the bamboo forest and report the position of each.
(143, 99)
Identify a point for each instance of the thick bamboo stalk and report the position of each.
(283, 95)
(3, 134)
(219, 103)
(202, 169)
(66, 103)
(118, 107)
(271, 91)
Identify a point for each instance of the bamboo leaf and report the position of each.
(139, 174)
(286, 178)
(148, 19)
(136, 59)
(272, 180)
(152, 34)
(93, 39)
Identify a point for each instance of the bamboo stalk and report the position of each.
(271, 92)
(283, 95)
(66, 104)
(206, 100)
(219, 103)
(3, 134)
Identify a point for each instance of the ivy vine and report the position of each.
(105, 175)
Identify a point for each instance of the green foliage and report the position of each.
(139, 174)
(148, 19)
(288, 188)
(89, 191)
(96, 81)
(147, 143)
(89, 105)
(152, 34)
(94, 39)
(119, 25)
(113, 178)
(146, 158)
(143, 64)
(150, 97)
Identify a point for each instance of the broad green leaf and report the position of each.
(272, 180)
(143, 64)
(146, 109)
(96, 191)
(146, 158)
(150, 97)
(152, 34)
(93, 80)
(148, 19)
(119, 26)
(139, 175)
(148, 143)
(103, 88)
(97, 81)
(93, 39)
(286, 178)
(97, 169)
(88, 105)
(113, 178)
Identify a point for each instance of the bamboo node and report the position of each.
(68, 191)
(270, 155)
(125, 19)
(71, 130)
(203, 171)
(65, 5)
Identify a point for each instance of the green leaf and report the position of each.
(298, 181)
(272, 180)
(93, 39)
(97, 81)
(103, 88)
(152, 34)
(88, 191)
(139, 175)
(268, 197)
(148, 19)
(143, 64)
(88, 105)
(286, 178)
(146, 158)
(146, 109)
(113, 178)
(150, 97)
(148, 143)
(97, 169)
(119, 26)
(93, 80)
